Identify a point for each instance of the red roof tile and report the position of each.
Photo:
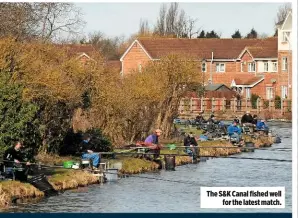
(247, 80)
(264, 49)
(202, 48)
(114, 64)
(75, 49)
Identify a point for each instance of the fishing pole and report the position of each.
(146, 177)
(254, 158)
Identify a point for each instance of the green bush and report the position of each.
(253, 100)
(266, 104)
(18, 119)
(277, 102)
(72, 140)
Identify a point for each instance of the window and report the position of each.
(241, 67)
(284, 63)
(285, 36)
(266, 66)
(204, 67)
(247, 92)
(220, 67)
(274, 66)
(269, 93)
(284, 91)
(140, 68)
(252, 67)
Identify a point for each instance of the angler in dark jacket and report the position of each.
(191, 144)
(13, 158)
(13, 155)
(212, 120)
(255, 120)
(88, 151)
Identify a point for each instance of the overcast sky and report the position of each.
(122, 19)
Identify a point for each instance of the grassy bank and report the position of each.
(260, 141)
(71, 179)
(217, 151)
(10, 190)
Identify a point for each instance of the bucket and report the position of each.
(170, 162)
(76, 166)
(67, 164)
(171, 146)
(249, 144)
(112, 174)
(277, 140)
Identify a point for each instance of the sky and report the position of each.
(122, 19)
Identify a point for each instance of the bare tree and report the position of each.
(144, 28)
(190, 26)
(181, 24)
(282, 12)
(18, 20)
(47, 21)
(171, 19)
(160, 27)
(263, 36)
(58, 18)
(110, 48)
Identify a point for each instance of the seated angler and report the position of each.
(152, 143)
(13, 158)
(191, 145)
(88, 151)
(255, 120)
(234, 132)
(200, 119)
(262, 126)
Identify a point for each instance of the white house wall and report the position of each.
(288, 24)
(287, 27)
(260, 66)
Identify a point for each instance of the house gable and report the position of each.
(135, 57)
(287, 24)
(135, 44)
(245, 55)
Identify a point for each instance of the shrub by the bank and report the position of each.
(72, 140)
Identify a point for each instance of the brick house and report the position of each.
(83, 53)
(247, 66)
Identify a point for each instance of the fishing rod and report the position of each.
(159, 179)
(255, 158)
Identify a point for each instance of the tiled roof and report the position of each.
(264, 49)
(202, 48)
(214, 87)
(75, 49)
(114, 64)
(247, 80)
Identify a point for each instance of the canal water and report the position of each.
(145, 195)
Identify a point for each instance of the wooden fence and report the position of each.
(195, 105)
